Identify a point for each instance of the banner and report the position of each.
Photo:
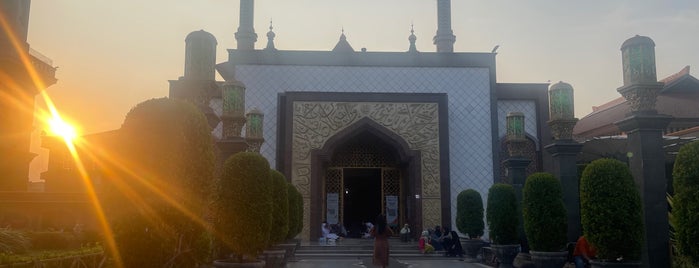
(333, 203)
(392, 210)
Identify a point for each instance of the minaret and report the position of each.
(445, 36)
(246, 35)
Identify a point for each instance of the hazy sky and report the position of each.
(114, 54)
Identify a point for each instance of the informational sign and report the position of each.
(392, 210)
(333, 203)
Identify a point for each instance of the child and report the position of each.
(424, 243)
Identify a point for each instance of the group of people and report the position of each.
(439, 239)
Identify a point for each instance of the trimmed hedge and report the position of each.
(295, 211)
(245, 203)
(469, 213)
(13, 241)
(502, 214)
(280, 208)
(610, 208)
(544, 213)
(685, 176)
(157, 199)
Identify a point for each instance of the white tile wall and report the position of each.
(468, 91)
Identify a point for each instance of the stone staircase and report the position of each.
(350, 248)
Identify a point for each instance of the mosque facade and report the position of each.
(363, 133)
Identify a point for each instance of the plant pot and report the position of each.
(228, 263)
(546, 259)
(274, 258)
(472, 247)
(628, 264)
(290, 249)
(506, 254)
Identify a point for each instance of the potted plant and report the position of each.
(502, 218)
(545, 222)
(245, 209)
(610, 208)
(469, 220)
(685, 176)
(278, 254)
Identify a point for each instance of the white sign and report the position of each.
(392, 210)
(332, 206)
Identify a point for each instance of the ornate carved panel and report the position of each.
(417, 123)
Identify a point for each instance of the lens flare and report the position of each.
(62, 129)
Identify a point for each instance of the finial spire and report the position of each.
(412, 39)
(270, 37)
(445, 36)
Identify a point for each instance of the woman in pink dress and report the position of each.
(381, 233)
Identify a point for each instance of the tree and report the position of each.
(685, 176)
(544, 213)
(164, 169)
(280, 209)
(469, 213)
(245, 204)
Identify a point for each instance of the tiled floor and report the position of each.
(366, 262)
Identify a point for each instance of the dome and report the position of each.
(560, 85)
(200, 36)
(638, 41)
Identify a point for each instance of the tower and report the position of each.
(246, 36)
(444, 40)
(18, 86)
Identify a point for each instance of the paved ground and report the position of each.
(366, 262)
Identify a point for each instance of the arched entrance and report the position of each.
(363, 179)
(364, 171)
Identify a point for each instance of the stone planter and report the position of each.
(472, 247)
(506, 254)
(601, 264)
(290, 249)
(544, 259)
(274, 258)
(233, 264)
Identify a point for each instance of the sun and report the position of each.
(62, 128)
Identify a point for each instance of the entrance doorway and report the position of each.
(362, 198)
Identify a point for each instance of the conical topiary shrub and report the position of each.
(685, 176)
(245, 205)
(502, 214)
(280, 208)
(610, 208)
(544, 213)
(469, 220)
(503, 219)
(469, 213)
(295, 211)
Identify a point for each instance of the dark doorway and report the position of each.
(362, 201)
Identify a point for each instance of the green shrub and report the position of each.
(501, 214)
(295, 211)
(280, 209)
(469, 213)
(610, 208)
(544, 213)
(245, 204)
(164, 179)
(685, 176)
(13, 241)
(53, 240)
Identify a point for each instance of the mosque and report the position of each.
(361, 133)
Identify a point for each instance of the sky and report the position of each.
(112, 55)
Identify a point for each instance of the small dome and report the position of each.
(560, 85)
(201, 35)
(638, 40)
